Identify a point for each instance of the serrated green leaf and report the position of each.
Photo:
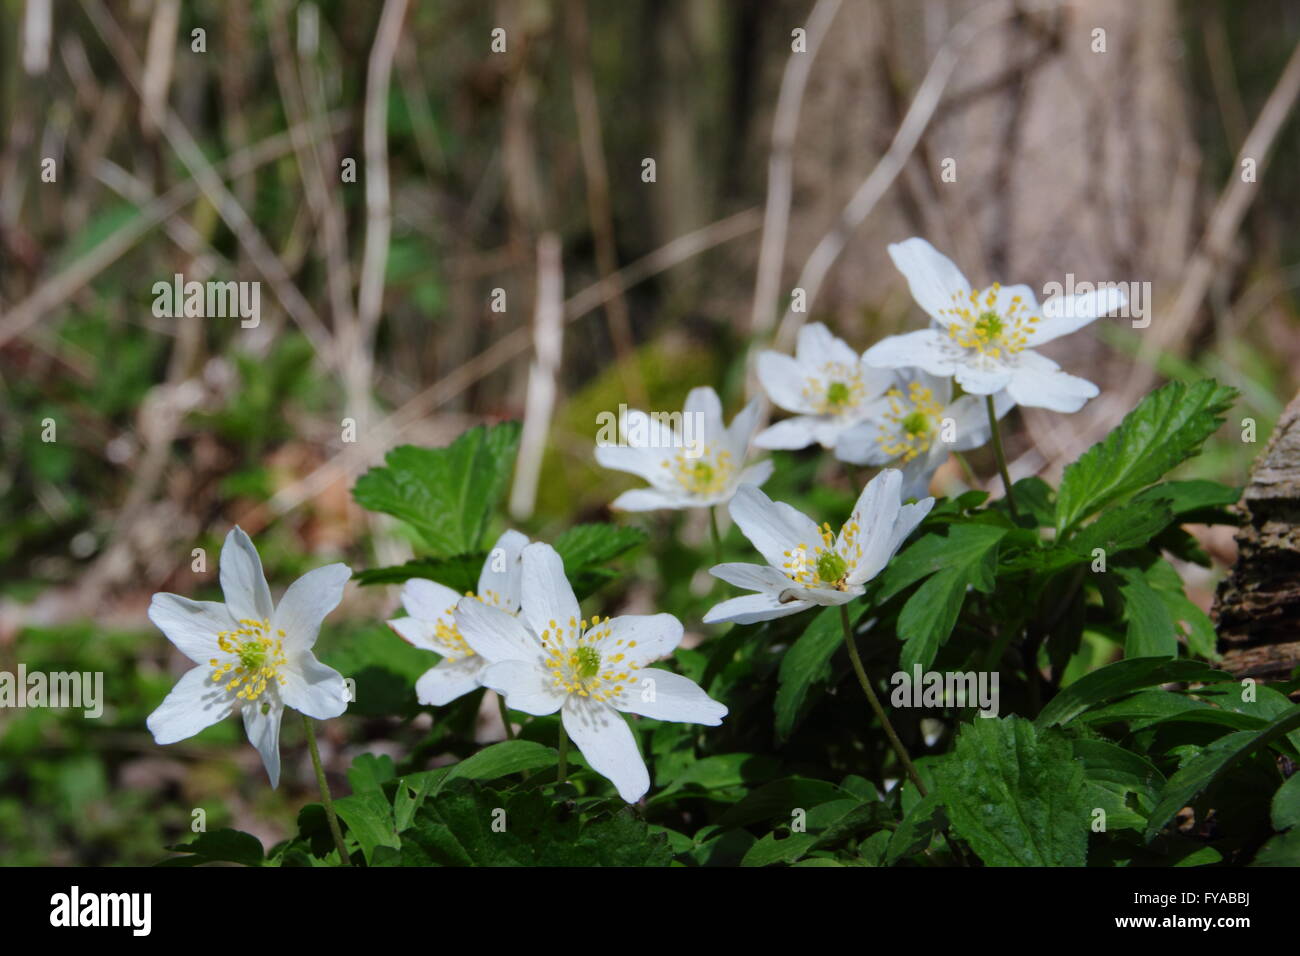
(1015, 795)
(1167, 427)
(587, 548)
(446, 494)
(1185, 785)
(964, 545)
(500, 759)
(218, 846)
(1286, 804)
(1117, 679)
(460, 572)
(928, 617)
(806, 663)
(1151, 631)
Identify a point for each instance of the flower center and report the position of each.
(254, 659)
(980, 327)
(908, 427)
(825, 564)
(704, 475)
(582, 663)
(831, 567)
(840, 390)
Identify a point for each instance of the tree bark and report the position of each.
(1257, 608)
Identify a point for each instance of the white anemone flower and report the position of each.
(808, 566)
(252, 655)
(985, 338)
(550, 659)
(431, 626)
(826, 384)
(690, 459)
(918, 425)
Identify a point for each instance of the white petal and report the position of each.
(858, 445)
(306, 603)
(650, 499)
(931, 276)
(971, 419)
(783, 380)
(242, 581)
(194, 704)
(874, 514)
(664, 695)
(927, 349)
(609, 746)
(642, 637)
(909, 516)
(494, 634)
(918, 472)
(503, 570)
(442, 684)
(1038, 382)
(773, 527)
(1064, 314)
(525, 686)
(191, 625)
(705, 409)
(751, 608)
(752, 577)
(642, 462)
(793, 433)
(817, 345)
(428, 600)
(418, 633)
(741, 431)
(756, 474)
(982, 380)
(313, 688)
(263, 731)
(547, 594)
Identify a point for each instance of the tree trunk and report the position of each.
(1257, 608)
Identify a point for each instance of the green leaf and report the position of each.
(460, 573)
(1282, 850)
(369, 818)
(1169, 426)
(446, 494)
(1015, 795)
(777, 800)
(467, 825)
(916, 830)
(218, 846)
(1286, 804)
(586, 548)
(1121, 529)
(770, 850)
(1191, 497)
(500, 759)
(1151, 631)
(371, 772)
(1185, 785)
(1115, 680)
(720, 772)
(931, 613)
(806, 663)
(965, 545)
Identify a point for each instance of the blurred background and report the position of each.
(464, 211)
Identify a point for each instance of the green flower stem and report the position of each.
(874, 701)
(1001, 456)
(563, 770)
(717, 538)
(505, 717)
(325, 793)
